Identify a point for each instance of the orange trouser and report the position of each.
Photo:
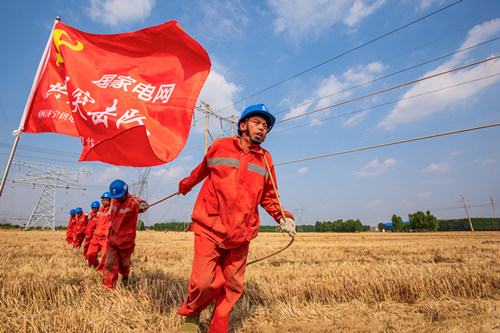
(86, 246)
(69, 238)
(100, 268)
(96, 245)
(217, 274)
(117, 260)
(78, 240)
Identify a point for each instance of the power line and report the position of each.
(391, 102)
(343, 54)
(392, 74)
(378, 79)
(390, 144)
(388, 89)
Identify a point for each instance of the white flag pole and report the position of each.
(36, 81)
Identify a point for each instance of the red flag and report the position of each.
(129, 97)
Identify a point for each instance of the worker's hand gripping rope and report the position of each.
(288, 225)
(143, 206)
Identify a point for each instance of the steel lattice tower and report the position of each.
(50, 177)
(141, 190)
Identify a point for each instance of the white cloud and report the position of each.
(355, 120)
(299, 19)
(373, 203)
(443, 166)
(426, 4)
(219, 93)
(298, 110)
(437, 167)
(424, 194)
(169, 173)
(108, 175)
(362, 74)
(360, 10)
(115, 12)
(302, 170)
(486, 161)
(332, 90)
(411, 110)
(375, 168)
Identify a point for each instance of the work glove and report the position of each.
(287, 224)
(143, 206)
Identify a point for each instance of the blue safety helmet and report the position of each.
(79, 210)
(118, 188)
(95, 204)
(106, 195)
(257, 110)
(72, 212)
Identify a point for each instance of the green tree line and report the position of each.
(170, 226)
(339, 226)
(478, 223)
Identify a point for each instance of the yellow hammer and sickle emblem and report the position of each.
(58, 42)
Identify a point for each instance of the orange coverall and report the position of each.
(89, 231)
(71, 227)
(121, 239)
(79, 231)
(98, 242)
(225, 219)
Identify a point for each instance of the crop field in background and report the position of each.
(365, 282)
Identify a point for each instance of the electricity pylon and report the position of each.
(298, 218)
(140, 189)
(50, 177)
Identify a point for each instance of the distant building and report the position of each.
(374, 229)
(388, 226)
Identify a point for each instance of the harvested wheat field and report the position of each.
(367, 282)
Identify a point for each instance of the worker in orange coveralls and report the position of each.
(80, 226)
(226, 218)
(121, 237)
(98, 243)
(71, 226)
(91, 225)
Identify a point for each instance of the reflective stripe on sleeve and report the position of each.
(121, 210)
(258, 169)
(224, 161)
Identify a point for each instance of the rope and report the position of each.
(272, 254)
(282, 214)
(176, 193)
(391, 143)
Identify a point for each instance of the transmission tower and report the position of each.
(298, 217)
(141, 190)
(50, 177)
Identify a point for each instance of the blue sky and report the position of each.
(297, 57)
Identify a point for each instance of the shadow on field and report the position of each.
(246, 306)
(242, 310)
(164, 291)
